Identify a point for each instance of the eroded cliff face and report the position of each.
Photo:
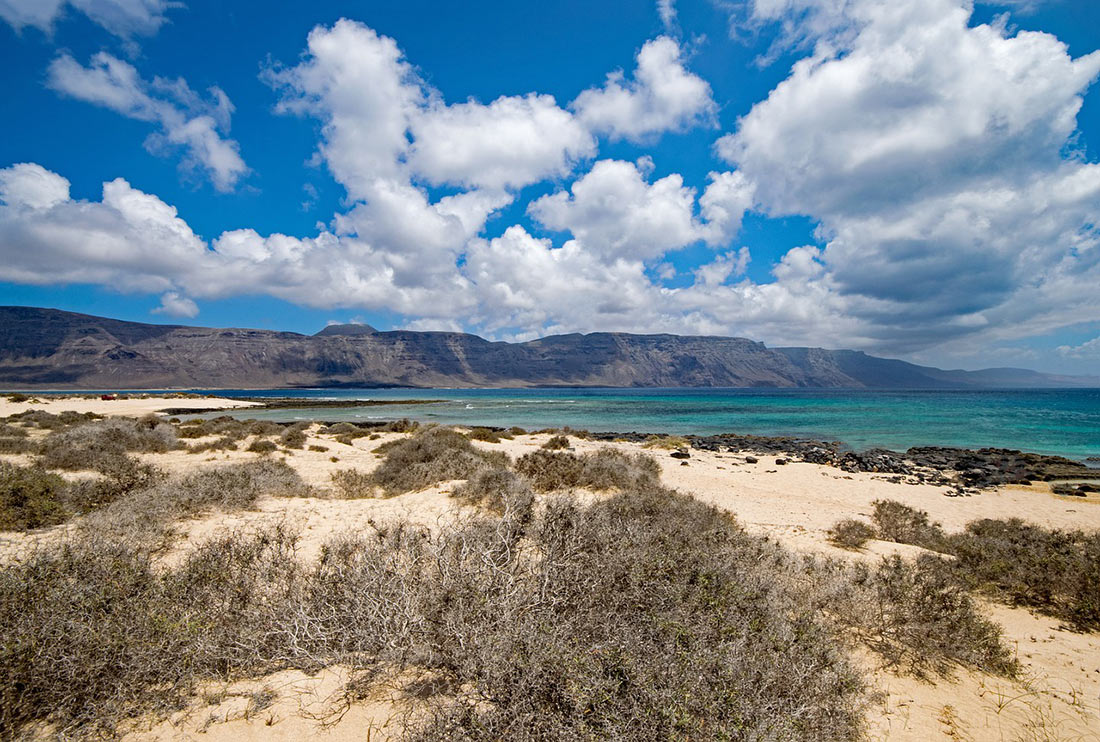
(52, 348)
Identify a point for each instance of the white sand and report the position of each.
(123, 406)
(796, 504)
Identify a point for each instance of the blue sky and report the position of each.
(915, 178)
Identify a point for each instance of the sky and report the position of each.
(918, 179)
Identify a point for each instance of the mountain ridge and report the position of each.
(51, 348)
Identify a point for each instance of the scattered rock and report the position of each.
(751, 460)
(680, 453)
(780, 462)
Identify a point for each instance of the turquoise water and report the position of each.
(1063, 422)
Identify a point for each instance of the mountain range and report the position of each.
(50, 348)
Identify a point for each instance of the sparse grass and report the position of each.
(851, 534)
(604, 469)
(432, 456)
(352, 484)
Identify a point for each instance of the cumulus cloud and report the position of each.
(175, 305)
(662, 96)
(933, 155)
(185, 119)
(510, 143)
(614, 212)
(1090, 349)
(124, 18)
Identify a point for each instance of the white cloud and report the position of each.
(662, 96)
(175, 305)
(184, 119)
(1089, 349)
(124, 18)
(614, 212)
(932, 153)
(29, 185)
(510, 143)
(666, 9)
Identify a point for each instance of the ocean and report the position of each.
(1050, 421)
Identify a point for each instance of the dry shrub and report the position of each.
(489, 435)
(222, 425)
(49, 421)
(352, 484)
(96, 445)
(667, 442)
(16, 444)
(262, 446)
(556, 443)
(30, 497)
(145, 512)
(432, 456)
(851, 534)
(264, 428)
(91, 635)
(897, 522)
(225, 443)
(318, 449)
(500, 490)
(1056, 572)
(604, 469)
(646, 616)
(295, 435)
(919, 616)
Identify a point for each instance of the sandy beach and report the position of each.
(795, 503)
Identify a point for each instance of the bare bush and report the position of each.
(920, 616)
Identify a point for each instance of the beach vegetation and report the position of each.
(604, 469)
(433, 455)
(851, 534)
(557, 443)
